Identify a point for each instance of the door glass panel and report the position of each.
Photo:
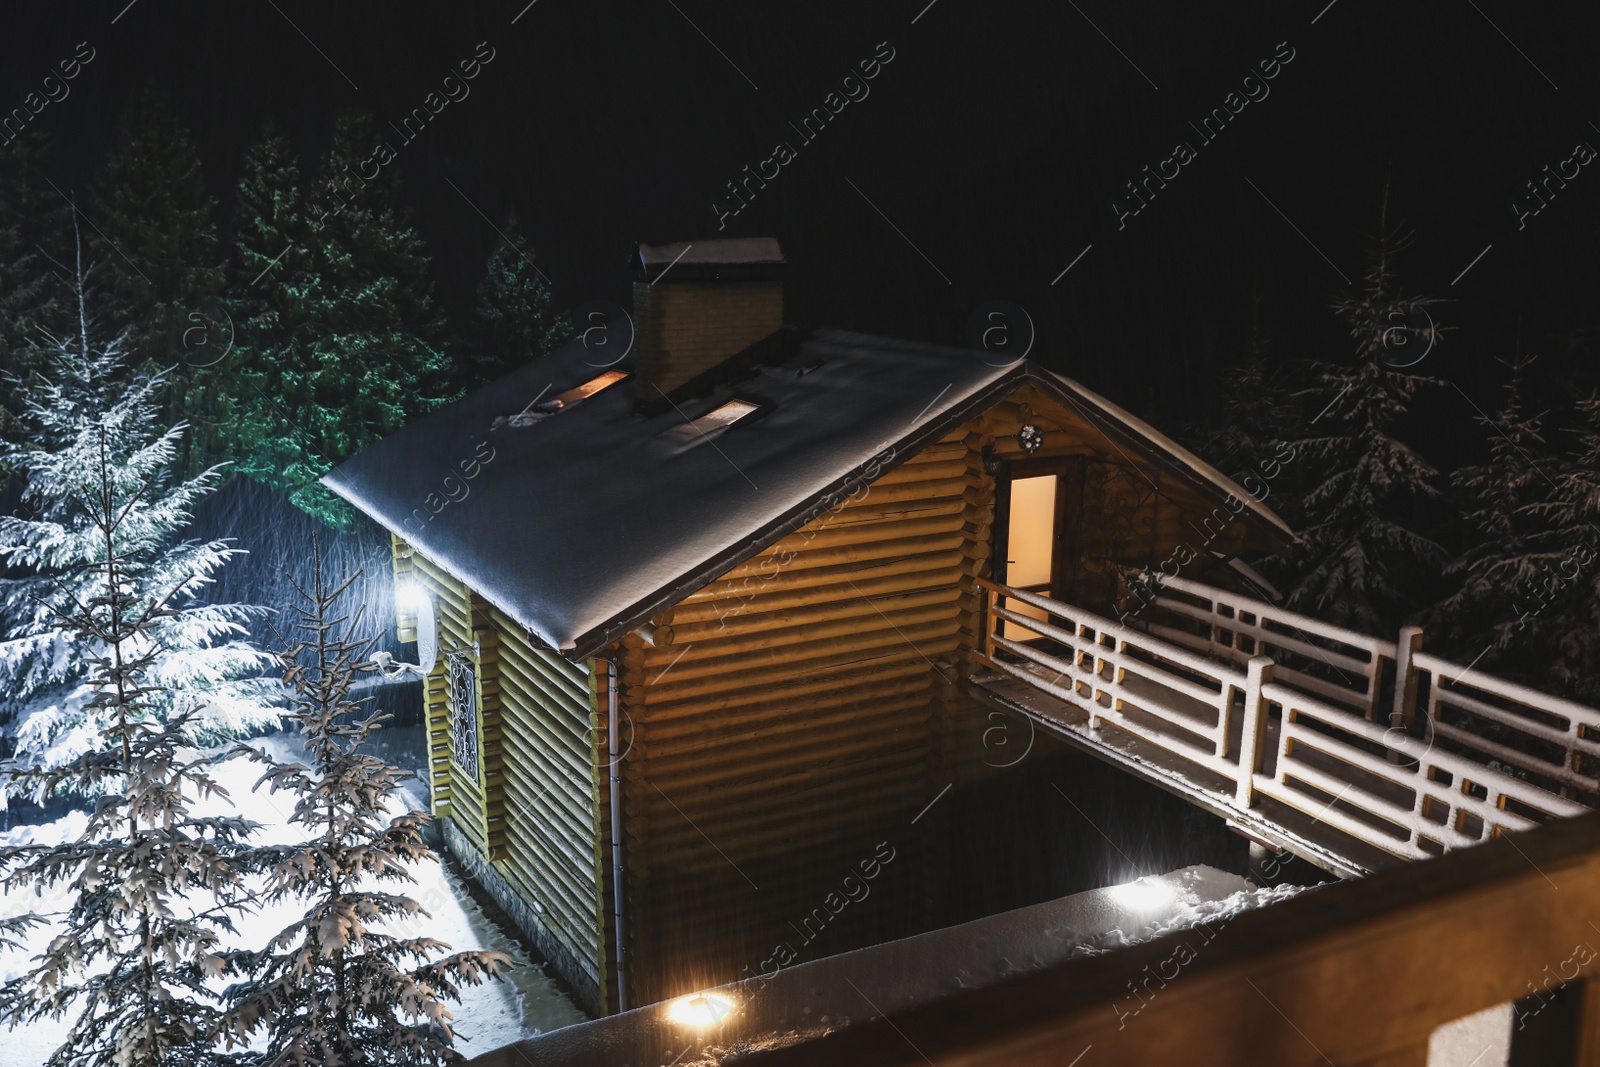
(1030, 545)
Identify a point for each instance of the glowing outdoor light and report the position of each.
(1144, 894)
(411, 599)
(700, 1010)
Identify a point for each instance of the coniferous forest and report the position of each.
(218, 286)
(148, 361)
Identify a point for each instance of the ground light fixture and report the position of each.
(1143, 894)
(412, 601)
(700, 1010)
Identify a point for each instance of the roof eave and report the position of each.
(1142, 436)
(535, 638)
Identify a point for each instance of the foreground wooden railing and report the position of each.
(1356, 974)
(1380, 784)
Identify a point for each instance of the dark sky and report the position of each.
(985, 159)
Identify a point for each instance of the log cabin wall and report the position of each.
(805, 706)
(530, 831)
(781, 723)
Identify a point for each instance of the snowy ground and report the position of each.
(526, 1004)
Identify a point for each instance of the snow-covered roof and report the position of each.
(582, 523)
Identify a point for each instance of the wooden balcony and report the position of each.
(1349, 750)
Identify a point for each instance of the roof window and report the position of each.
(589, 388)
(541, 408)
(712, 423)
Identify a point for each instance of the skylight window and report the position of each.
(543, 408)
(712, 423)
(589, 388)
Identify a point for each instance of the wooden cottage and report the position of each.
(706, 605)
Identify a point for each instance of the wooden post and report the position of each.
(1082, 657)
(1404, 713)
(990, 599)
(1253, 729)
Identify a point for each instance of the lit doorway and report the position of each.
(1036, 543)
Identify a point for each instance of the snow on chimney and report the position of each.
(696, 303)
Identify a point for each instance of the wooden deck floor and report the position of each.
(1270, 822)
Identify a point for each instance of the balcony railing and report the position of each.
(1287, 707)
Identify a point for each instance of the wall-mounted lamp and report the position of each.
(412, 601)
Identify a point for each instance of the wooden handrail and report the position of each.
(1377, 784)
(1473, 694)
(1443, 813)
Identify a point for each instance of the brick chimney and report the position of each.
(695, 303)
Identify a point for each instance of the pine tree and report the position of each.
(334, 987)
(156, 232)
(33, 290)
(1568, 585)
(1499, 611)
(367, 355)
(1258, 416)
(155, 241)
(513, 321)
(1363, 564)
(208, 673)
(153, 885)
(270, 277)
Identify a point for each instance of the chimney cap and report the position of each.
(718, 257)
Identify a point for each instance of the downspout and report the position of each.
(616, 831)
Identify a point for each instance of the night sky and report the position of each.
(985, 157)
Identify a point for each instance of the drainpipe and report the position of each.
(613, 757)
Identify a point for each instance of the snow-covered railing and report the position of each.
(1380, 785)
(1102, 660)
(1260, 729)
(1554, 741)
(1236, 627)
(1564, 735)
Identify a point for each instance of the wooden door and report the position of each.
(1038, 512)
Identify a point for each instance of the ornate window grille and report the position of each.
(462, 673)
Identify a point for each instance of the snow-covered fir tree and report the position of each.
(1565, 595)
(1364, 563)
(155, 238)
(155, 232)
(205, 669)
(270, 280)
(513, 321)
(355, 302)
(1510, 588)
(1257, 410)
(33, 290)
(345, 984)
(151, 885)
(1257, 417)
